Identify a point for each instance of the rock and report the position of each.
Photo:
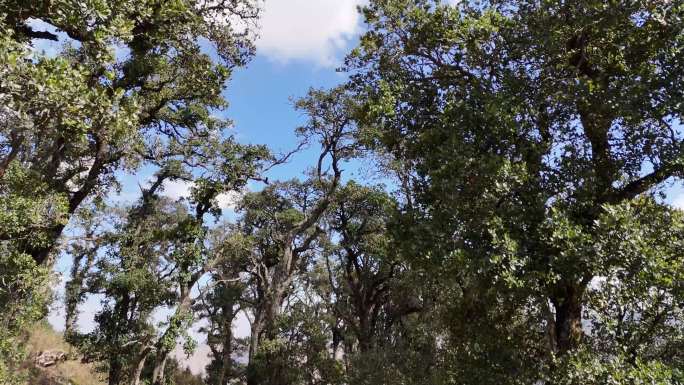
(49, 358)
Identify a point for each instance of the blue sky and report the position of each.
(301, 43)
(261, 106)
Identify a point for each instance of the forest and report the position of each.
(518, 225)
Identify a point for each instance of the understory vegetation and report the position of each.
(515, 228)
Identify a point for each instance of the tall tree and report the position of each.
(364, 266)
(156, 258)
(91, 224)
(131, 84)
(282, 222)
(516, 126)
(382, 310)
(220, 305)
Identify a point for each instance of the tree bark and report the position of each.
(159, 368)
(138, 368)
(568, 318)
(364, 334)
(114, 373)
(226, 359)
(263, 329)
(70, 318)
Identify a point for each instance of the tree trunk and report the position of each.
(568, 319)
(114, 373)
(226, 359)
(70, 319)
(42, 254)
(254, 336)
(159, 367)
(364, 334)
(263, 328)
(137, 369)
(11, 156)
(172, 333)
(254, 342)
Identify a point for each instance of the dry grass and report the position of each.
(42, 338)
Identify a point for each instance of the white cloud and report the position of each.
(177, 189)
(181, 189)
(314, 30)
(228, 200)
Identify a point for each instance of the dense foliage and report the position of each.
(522, 236)
(524, 134)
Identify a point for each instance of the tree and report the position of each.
(364, 268)
(132, 275)
(381, 309)
(155, 258)
(282, 225)
(220, 306)
(131, 85)
(26, 205)
(77, 118)
(508, 120)
(83, 248)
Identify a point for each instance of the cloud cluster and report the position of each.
(311, 30)
(318, 31)
(181, 189)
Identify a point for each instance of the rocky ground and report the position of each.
(53, 362)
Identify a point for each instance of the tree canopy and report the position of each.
(521, 233)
